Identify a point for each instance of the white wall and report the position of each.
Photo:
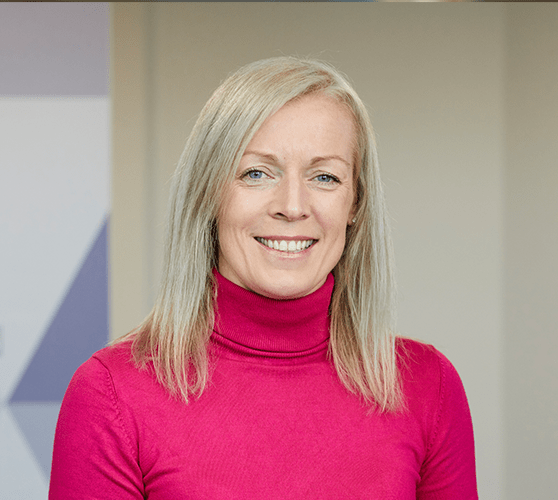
(54, 203)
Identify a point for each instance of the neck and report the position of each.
(268, 325)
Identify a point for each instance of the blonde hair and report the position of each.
(175, 335)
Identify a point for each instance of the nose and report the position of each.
(290, 201)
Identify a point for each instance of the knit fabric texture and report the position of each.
(275, 422)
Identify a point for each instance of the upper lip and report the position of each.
(287, 238)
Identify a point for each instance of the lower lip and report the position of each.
(287, 254)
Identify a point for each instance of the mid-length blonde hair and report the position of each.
(175, 335)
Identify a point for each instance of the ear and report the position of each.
(352, 213)
(351, 219)
(354, 207)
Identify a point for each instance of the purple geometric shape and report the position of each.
(54, 48)
(79, 328)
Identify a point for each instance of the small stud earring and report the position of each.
(354, 220)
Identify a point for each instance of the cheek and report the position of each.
(334, 214)
(237, 215)
(225, 224)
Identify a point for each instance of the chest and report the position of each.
(279, 435)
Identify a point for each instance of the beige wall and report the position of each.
(531, 253)
(439, 81)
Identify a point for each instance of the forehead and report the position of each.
(314, 123)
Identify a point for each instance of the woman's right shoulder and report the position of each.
(114, 364)
(112, 374)
(114, 358)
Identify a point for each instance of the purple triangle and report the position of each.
(79, 328)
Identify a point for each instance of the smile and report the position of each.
(286, 246)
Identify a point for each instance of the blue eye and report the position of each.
(326, 178)
(255, 174)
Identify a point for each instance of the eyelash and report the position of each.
(249, 171)
(332, 177)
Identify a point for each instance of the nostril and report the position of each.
(291, 215)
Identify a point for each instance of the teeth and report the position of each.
(286, 246)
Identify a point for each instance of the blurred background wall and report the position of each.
(54, 206)
(465, 104)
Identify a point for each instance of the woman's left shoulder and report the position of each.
(424, 369)
(435, 398)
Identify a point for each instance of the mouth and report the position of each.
(287, 246)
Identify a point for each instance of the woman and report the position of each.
(269, 367)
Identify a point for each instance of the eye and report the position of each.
(254, 174)
(326, 178)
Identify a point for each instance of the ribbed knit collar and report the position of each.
(269, 327)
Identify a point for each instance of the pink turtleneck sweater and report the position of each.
(274, 423)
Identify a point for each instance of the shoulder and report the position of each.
(432, 387)
(115, 358)
(110, 387)
(436, 399)
(418, 360)
(113, 371)
(110, 360)
(428, 378)
(96, 440)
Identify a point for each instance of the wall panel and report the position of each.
(54, 209)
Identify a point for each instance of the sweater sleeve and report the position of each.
(94, 456)
(448, 472)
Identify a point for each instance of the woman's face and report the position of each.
(283, 220)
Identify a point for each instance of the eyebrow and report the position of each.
(317, 159)
(267, 156)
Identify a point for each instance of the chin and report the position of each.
(286, 288)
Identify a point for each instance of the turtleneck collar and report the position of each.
(268, 327)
